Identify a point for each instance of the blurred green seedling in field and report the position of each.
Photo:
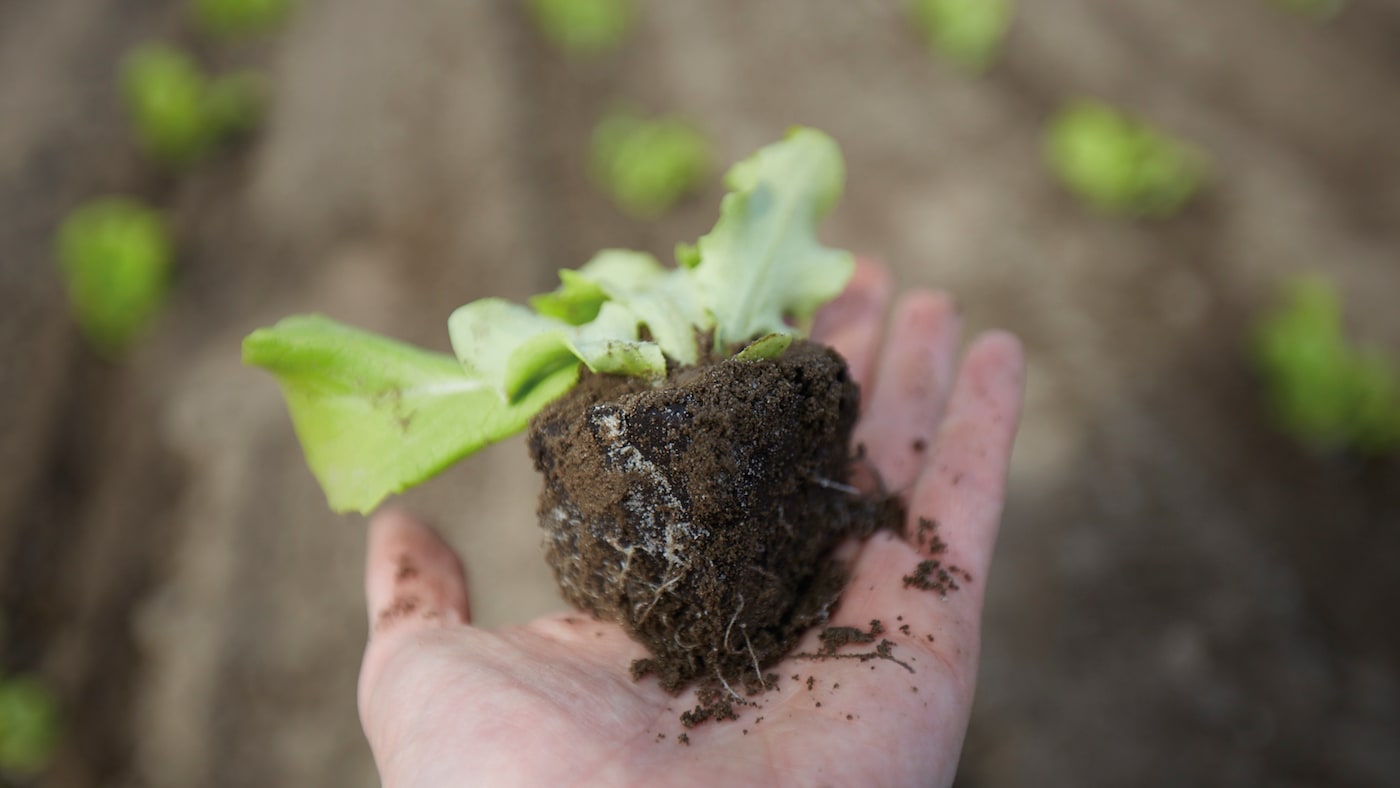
(1326, 391)
(1321, 9)
(116, 256)
(647, 164)
(1120, 165)
(584, 27)
(237, 18)
(179, 112)
(29, 726)
(967, 32)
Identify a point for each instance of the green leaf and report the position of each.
(1119, 165)
(238, 18)
(179, 113)
(763, 348)
(164, 91)
(512, 348)
(115, 256)
(376, 416)
(1321, 388)
(762, 264)
(29, 725)
(576, 301)
(648, 164)
(584, 27)
(967, 32)
(663, 300)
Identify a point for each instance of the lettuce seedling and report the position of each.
(1323, 389)
(238, 18)
(1119, 165)
(180, 114)
(115, 255)
(29, 725)
(375, 416)
(967, 32)
(647, 164)
(584, 27)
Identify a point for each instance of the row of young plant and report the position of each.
(116, 255)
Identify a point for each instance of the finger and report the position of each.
(933, 585)
(851, 324)
(962, 488)
(412, 577)
(910, 388)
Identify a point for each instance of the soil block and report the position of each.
(700, 514)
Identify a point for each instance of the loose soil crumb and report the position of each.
(401, 607)
(926, 536)
(833, 638)
(701, 514)
(931, 575)
(684, 738)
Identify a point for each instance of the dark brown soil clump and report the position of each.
(701, 514)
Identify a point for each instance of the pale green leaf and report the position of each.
(576, 301)
(767, 347)
(512, 348)
(662, 299)
(761, 264)
(376, 416)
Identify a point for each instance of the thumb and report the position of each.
(412, 577)
(414, 585)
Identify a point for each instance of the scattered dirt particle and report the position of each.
(849, 717)
(930, 638)
(406, 570)
(904, 628)
(819, 704)
(834, 638)
(402, 607)
(684, 738)
(713, 703)
(919, 445)
(931, 575)
(926, 536)
(811, 681)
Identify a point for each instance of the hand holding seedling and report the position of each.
(552, 702)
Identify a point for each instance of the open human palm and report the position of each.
(553, 703)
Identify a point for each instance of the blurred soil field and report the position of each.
(1182, 595)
